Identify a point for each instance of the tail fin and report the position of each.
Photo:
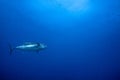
(11, 49)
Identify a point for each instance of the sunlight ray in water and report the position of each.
(73, 5)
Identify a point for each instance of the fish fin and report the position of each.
(11, 49)
(38, 44)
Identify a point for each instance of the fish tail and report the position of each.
(10, 49)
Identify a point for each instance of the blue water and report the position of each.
(83, 42)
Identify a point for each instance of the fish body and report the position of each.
(29, 46)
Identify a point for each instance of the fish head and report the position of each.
(43, 46)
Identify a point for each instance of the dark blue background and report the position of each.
(82, 44)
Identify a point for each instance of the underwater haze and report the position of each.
(82, 38)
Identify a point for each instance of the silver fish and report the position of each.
(28, 46)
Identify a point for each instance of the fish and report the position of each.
(28, 46)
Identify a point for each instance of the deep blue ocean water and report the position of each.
(83, 39)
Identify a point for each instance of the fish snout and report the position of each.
(43, 46)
